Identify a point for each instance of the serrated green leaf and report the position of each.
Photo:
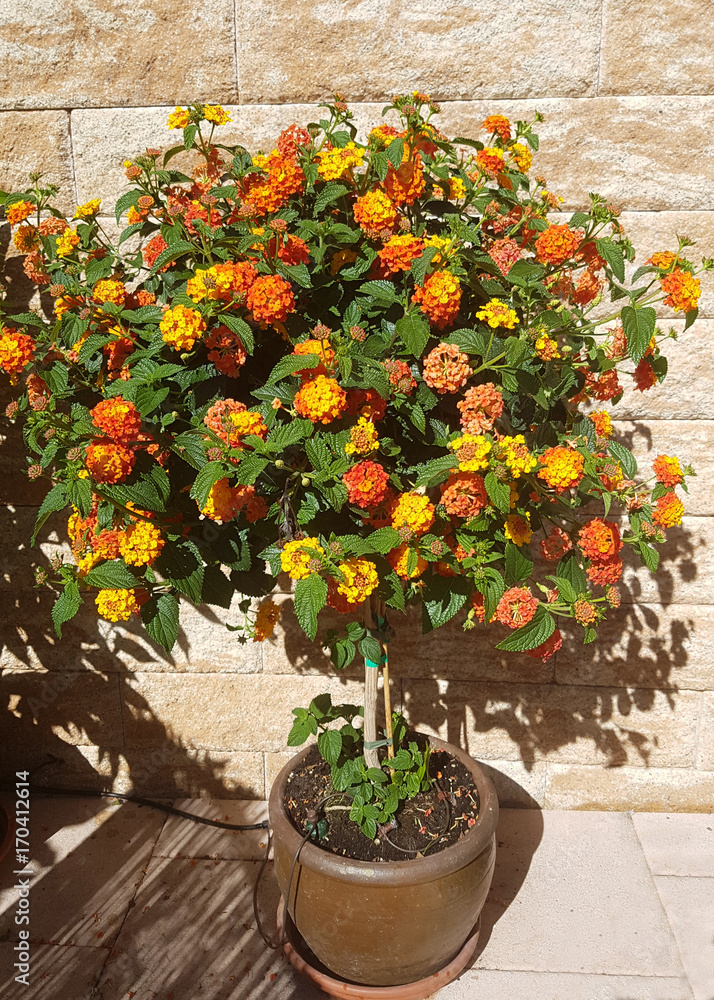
(66, 606)
(160, 615)
(518, 566)
(570, 569)
(125, 202)
(331, 192)
(625, 457)
(172, 253)
(395, 152)
(613, 256)
(329, 744)
(55, 500)
(638, 324)
(420, 265)
(113, 575)
(414, 331)
(208, 475)
(498, 493)
(310, 599)
(436, 470)
(241, 330)
(292, 363)
(534, 634)
(370, 648)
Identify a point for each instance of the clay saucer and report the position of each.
(305, 962)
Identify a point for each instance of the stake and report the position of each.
(371, 676)
(387, 694)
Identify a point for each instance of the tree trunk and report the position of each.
(371, 677)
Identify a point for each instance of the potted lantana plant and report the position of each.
(376, 366)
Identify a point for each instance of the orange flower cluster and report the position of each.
(226, 351)
(223, 502)
(109, 461)
(406, 183)
(181, 327)
(321, 400)
(118, 418)
(218, 417)
(669, 511)
(322, 349)
(400, 376)
(228, 282)
(245, 423)
(668, 470)
(497, 125)
(516, 608)
(603, 423)
(562, 468)
(399, 251)
(269, 191)
(16, 350)
(266, 619)
(663, 259)
(585, 612)
(363, 438)
(683, 290)
(556, 244)
(555, 545)
(366, 403)
(603, 387)
(366, 484)
(292, 251)
(270, 299)
(490, 160)
(375, 211)
(446, 369)
(153, 249)
(464, 495)
(439, 298)
(600, 542)
(480, 408)
(548, 648)
(19, 211)
(398, 559)
(360, 579)
(413, 511)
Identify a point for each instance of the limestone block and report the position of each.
(686, 570)
(78, 707)
(18, 559)
(531, 722)
(705, 753)
(646, 789)
(76, 54)
(628, 148)
(368, 51)
(686, 391)
(689, 440)
(37, 141)
(633, 42)
(223, 711)
(668, 647)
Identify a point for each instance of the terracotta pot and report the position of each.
(390, 923)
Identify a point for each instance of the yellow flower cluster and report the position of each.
(223, 501)
(216, 114)
(514, 454)
(518, 529)
(179, 118)
(497, 313)
(87, 210)
(182, 327)
(321, 400)
(363, 438)
(360, 579)
(398, 559)
(109, 290)
(67, 242)
(333, 163)
(141, 544)
(246, 422)
(472, 451)
(295, 559)
(521, 157)
(545, 348)
(414, 511)
(116, 605)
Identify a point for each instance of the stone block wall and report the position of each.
(628, 98)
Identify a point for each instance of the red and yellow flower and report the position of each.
(366, 484)
(321, 400)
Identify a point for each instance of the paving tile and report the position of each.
(480, 984)
(57, 972)
(689, 905)
(572, 893)
(88, 858)
(213, 951)
(180, 838)
(676, 844)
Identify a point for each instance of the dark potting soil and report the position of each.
(428, 823)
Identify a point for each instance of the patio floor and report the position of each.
(130, 904)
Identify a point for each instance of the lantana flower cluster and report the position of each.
(376, 364)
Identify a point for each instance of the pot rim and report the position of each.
(411, 872)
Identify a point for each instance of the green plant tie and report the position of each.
(373, 744)
(371, 663)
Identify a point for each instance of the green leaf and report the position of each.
(470, 341)
(310, 599)
(420, 265)
(190, 448)
(209, 474)
(343, 653)
(612, 254)
(292, 363)
(217, 588)
(331, 192)
(181, 565)
(565, 589)
(383, 293)
(571, 570)
(241, 330)
(93, 343)
(395, 152)
(66, 606)
(639, 325)
(370, 648)
(56, 499)
(441, 600)
(160, 615)
(436, 470)
(413, 328)
(172, 253)
(625, 457)
(518, 566)
(382, 540)
(79, 493)
(125, 202)
(523, 273)
(493, 590)
(498, 493)
(329, 744)
(113, 575)
(534, 634)
(650, 556)
(402, 760)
